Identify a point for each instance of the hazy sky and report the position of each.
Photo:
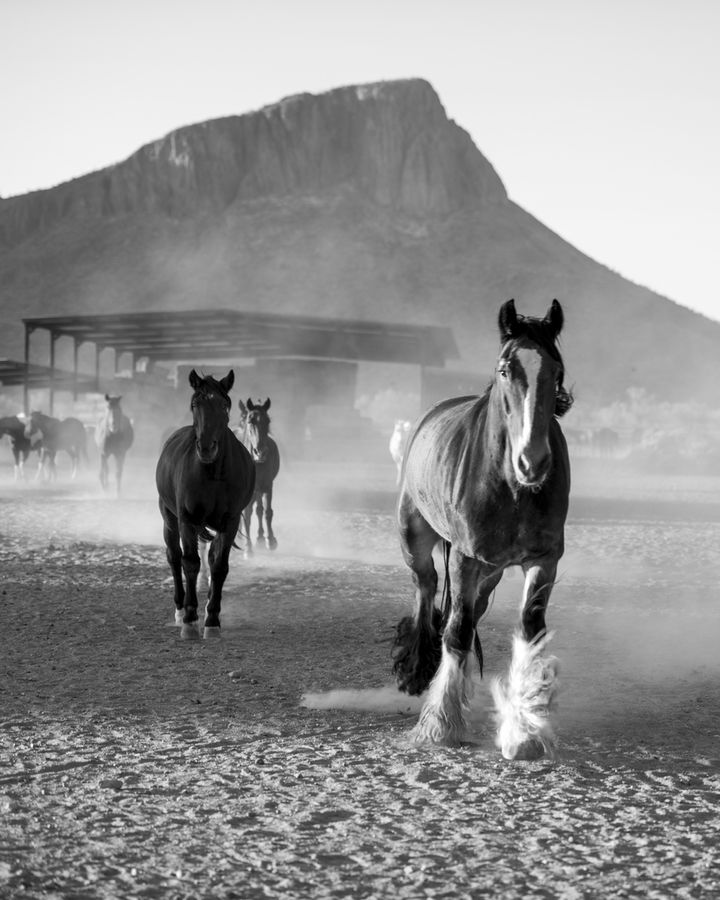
(602, 117)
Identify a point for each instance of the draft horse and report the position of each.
(266, 456)
(205, 478)
(14, 428)
(114, 436)
(51, 435)
(489, 477)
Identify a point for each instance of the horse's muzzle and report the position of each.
(532, 472)
(207, 454)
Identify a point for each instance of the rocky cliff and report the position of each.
(392, 143)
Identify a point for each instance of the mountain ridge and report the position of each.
(363, 202)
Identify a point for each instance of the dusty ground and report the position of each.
(138, 764)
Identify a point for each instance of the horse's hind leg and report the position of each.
(416, 652)
(443, 717)
(119, 465)
(525, 700)
(103, 471)
(246, 523)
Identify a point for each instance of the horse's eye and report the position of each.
(503, 372)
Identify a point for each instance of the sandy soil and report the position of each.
(138, 764)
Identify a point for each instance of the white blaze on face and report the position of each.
(532, 448)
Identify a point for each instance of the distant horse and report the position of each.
(20, 445)
(489, 477)
(53, 435)
(113, 436)
(398, 443)
(205, 478)
(266, 456)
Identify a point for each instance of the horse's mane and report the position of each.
(540, 332)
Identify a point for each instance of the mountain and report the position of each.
(363, 202)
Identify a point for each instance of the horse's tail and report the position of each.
(206, 536)
(446, 606)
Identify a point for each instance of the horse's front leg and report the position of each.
(259, 511)
(270, 541)
(443, 718)
(171, 536)
(191, 568)
(525, 699)
(218, 559)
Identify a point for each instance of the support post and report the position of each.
(53, 338)
(26, 386)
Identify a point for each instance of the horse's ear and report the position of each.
(228, 381)
(507, 320)
(194, 379)
(266, 405)
(250, 404)
(242, 409)
(554, 318)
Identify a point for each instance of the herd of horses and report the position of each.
(484, 478)
(48, 436)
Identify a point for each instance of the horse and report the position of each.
(266, 456)
(488, 477)
(398, 442)
(113, 436)
(205, 478)
(52, 435)
(14, 428)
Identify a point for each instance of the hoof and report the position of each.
(190, 632)
(211, 633)
(527, 751)
(271, 543)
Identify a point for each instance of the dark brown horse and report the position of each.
(51, 435)
(489, 477)
(205, 478)
(113, 436)
(266, 457)
(14, 428)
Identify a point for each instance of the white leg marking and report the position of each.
(525, 700)
(444, 715)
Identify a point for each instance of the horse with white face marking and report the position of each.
(113, 436)
(266, 456)
(489, 477)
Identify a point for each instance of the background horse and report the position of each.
(488, 476)
(205, 478)
(113, 436)
(52, 435)
(266, 456)
(20, 445)
(398, 442)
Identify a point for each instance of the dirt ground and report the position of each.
(275, 761)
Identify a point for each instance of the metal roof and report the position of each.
(226, 334)
(14, 373)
